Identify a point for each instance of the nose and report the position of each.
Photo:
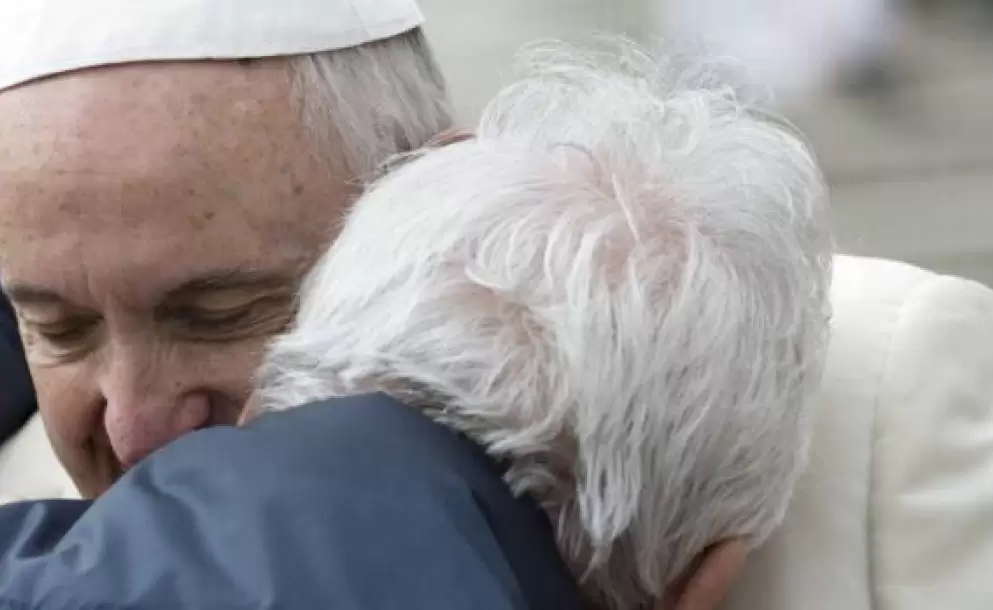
(139, 423)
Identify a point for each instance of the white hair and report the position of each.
(368, 103)
(620, 287)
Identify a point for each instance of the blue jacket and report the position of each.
(16, 393)
(350, 504)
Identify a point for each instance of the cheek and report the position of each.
(70, 407)
(69, 401)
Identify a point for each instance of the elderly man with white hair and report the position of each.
(617, 289)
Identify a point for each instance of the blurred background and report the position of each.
(895, 95)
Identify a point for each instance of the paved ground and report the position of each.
(912, 175)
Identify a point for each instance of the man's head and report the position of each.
(619, 288)
(156, 218)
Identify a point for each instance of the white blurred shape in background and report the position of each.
(795, 47)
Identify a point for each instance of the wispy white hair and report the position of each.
(368, 103)
(620, 286)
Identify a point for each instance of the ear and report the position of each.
(711, 578)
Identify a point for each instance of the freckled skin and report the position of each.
(120, 185)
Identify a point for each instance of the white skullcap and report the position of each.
(40, 38)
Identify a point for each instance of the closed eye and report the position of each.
(63, 339)
(263, 316)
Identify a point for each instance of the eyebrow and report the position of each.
(228, 279)
(26, 294)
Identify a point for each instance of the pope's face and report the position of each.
(155, 220)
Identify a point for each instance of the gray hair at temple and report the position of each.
(620, 287)
(368, 103)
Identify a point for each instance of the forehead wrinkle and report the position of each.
(95, 278)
